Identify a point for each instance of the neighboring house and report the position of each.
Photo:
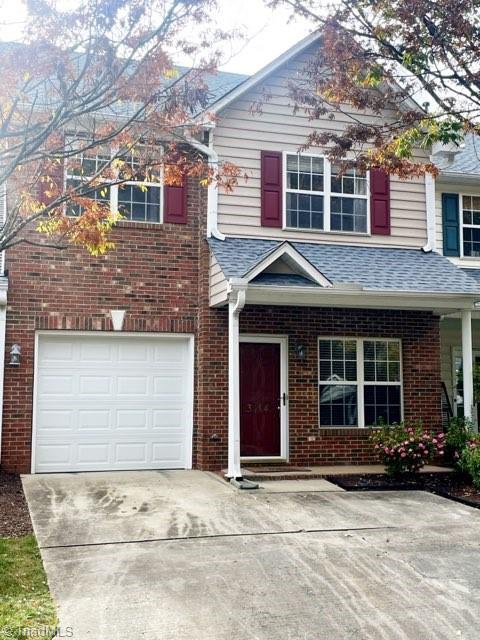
(457, 235)
(272, 324)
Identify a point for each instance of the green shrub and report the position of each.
(459, 433)
(470, 462)
(406, 448)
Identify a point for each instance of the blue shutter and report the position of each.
(451, 224)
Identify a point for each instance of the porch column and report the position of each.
(235, 306)
(467, 358)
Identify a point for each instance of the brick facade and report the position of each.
(153, 273)
(159, 274)
(308, 444)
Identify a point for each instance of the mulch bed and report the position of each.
(454, 486)
(14, 517)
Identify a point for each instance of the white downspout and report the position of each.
(430, 213)
(212, 191)
(235, 306)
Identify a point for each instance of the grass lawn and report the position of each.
(25, 600)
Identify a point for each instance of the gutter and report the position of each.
(212, 190)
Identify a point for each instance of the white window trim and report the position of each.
(360, 382)
(114, 191)
(461, 226)
(327, 194)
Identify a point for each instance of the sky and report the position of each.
(267, 33)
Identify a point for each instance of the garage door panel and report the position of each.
(95, 421)
(96, 351)
(132, 353)
(133, 385)
(56, 385)
(53, 453)
(168, 419)
(132, 420)
(112, 403)
(92, 453)
(56, 420)
(169, 385)
(168, 452)
(95, 385)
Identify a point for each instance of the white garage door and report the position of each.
(113, 402)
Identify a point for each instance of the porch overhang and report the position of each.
(359, 298)
(354, 297)
(319, 275)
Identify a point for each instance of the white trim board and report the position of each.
(295, 260)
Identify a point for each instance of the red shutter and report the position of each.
(272, 196)
(380, 202)
(175, 204)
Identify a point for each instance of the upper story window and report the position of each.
(318, 196)
(138, 199)
(470, 221)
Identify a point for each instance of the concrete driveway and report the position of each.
(181, 554)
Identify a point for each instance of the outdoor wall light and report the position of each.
(301, 351)
(15, 353)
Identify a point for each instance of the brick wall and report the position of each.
(308, 444)
(153, 273)
(159, 274)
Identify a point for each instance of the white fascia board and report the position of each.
(459, 178)
(313, 296)
(261, 75)
(304, 266)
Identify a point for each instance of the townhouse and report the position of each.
(272, 324)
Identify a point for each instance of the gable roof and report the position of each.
(367, 268)
(270, 68)
(464, 160)
(264, 72)
(296, 262)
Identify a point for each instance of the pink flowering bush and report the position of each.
(406, 448)
(470, 460)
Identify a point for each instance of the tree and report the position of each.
(91, 91)
(417, 58)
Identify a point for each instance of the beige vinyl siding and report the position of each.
(218, 283)
(240, 136)
(450, 186)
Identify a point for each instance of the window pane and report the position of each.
(338, 405)
(338, 360)
(381, 360)
(305, 182)
(317, 165)
(317, 183)
(292, 180)
(394, 351)
(305, 164)
(292, 163)
(348, 214)
(382, 403)
(304, 211)
(138, 204)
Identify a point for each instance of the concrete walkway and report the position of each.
(172, 555)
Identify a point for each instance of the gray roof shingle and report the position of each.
(465, 160)
(374, 269)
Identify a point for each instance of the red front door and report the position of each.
(259, 399)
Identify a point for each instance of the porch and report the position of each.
(324, 341)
